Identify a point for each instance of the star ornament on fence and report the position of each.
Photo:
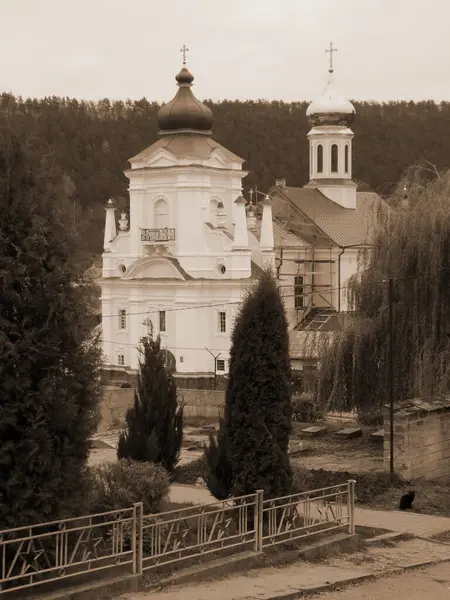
(30, 558)
(224, 526)
(90, 547)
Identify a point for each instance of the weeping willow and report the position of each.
(412, 247)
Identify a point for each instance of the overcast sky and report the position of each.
(273, 49)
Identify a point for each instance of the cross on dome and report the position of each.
(330, 51)
(183, 51)
(330, 108)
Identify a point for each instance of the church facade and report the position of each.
(178, 265)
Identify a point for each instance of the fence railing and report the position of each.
(302, 515)
(56, 550)
(163, 234)
(48, 552)
(199, 530)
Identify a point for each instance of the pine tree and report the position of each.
(49, 358)
(252, 449)
(155, 422)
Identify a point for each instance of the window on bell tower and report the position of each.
(320, 158)
(346, 158)
(334, 158)
(161, 214)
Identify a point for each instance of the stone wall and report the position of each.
(113, 406)
(115, 402)
(203, 403)
(421, 439)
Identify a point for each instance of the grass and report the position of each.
(373, 490)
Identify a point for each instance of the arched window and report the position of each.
(320, 158)
(161, 214)
(346, 158)
(334, 158)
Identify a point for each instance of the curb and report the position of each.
(339, 585)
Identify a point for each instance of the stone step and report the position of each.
(315, 430)
(377, 436)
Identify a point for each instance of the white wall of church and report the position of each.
(196, 322)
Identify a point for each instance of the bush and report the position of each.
(306, 409)
(120, 484)
(191, 472)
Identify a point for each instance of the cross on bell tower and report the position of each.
(183, 51)
(330, 51)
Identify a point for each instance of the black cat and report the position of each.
(407, 500)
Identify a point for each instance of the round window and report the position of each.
(122, 268)
(222, 269)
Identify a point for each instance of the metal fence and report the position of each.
(303, 515)
(58, 550)
(198, 531)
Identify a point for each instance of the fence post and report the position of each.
(351, 505)
(259, 500)
(138, 514)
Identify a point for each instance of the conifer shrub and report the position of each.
(251, 450)
(49, 356)
(154, 430)
(218, 464)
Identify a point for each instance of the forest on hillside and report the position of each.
(85, 145)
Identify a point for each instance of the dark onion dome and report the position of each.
(330, 108)
(185, 113)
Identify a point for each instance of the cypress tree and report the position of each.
(49, 358)
(251, 451)
(155, 422)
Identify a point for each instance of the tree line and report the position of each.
(86, 145)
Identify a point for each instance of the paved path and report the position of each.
(393, 520)
(431, 583)
(269, 582)
(403, 522)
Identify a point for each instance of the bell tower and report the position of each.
(330, 143)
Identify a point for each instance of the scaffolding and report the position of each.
(313, 301)
(314, 279)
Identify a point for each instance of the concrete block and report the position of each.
(299, 448)
(315, 431)
(350, 432)
(377, 436)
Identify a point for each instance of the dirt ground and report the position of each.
(328, 452)
(361, 455)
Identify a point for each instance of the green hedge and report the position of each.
(120, 484)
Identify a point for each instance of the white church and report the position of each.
(179, 264)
